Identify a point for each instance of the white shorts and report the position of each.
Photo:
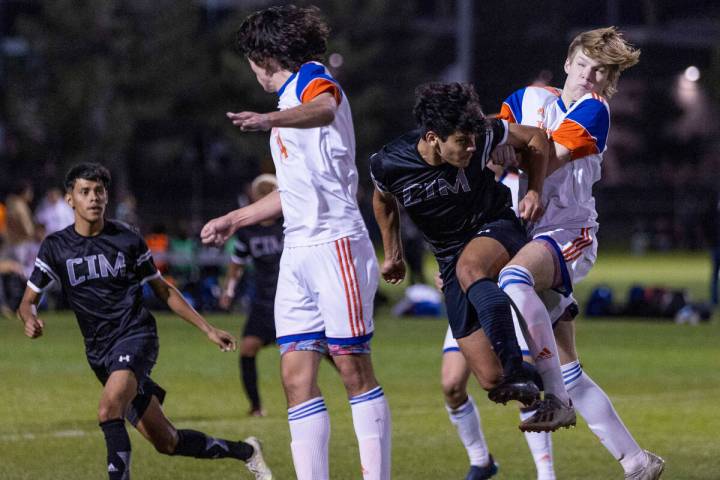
(556, 305)
(326, 291)
(578, 250)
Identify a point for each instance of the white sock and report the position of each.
(595, 407)
(310, 434)
(518, 283)
(466, 419)
(540, 444)
(371, 418)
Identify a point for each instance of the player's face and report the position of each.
(88, 198)
(584, 75)
(457, 149)
(264, 77)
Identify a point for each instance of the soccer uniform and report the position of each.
(102, 279)
(328, 270)
(569, 223)
(261, 244)
(451, 206)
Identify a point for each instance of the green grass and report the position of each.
(664, 380)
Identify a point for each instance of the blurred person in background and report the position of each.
(262, 245)
(712, 224)
(54, 213)
(21, 244)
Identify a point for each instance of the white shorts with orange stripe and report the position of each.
(575, 251)
(325, 292)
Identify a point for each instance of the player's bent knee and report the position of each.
(454, 390)
(468, 273)
(109, 411)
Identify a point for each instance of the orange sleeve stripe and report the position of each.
(318, 86)
(575, 138)
(506, 114)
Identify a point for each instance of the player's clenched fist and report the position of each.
(393, 271)
(216, 231)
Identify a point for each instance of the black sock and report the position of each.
(196, 444)
(493, 311)
(249, 379)
(118, 449)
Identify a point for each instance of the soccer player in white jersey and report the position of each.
(328, 270)
(564, 245)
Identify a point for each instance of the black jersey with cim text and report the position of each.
(102, 278)
(448, 204)
(263, 244)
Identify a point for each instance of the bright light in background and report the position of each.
(692, 73)
(336, 60)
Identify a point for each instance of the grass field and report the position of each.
(664, 380)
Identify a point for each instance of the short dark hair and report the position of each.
(288, 34)
(446, 108)
(87, 171)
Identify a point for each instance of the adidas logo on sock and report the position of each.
(544, 354)
(112, 468)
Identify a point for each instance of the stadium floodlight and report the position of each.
(692, 73)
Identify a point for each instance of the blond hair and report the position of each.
(607, 46)
(262, 185)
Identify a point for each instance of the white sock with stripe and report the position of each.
(310, 435)
(595, 407)
(518, 283)
(371, 418)
(540, 444)
(466, 419)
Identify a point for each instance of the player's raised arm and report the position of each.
(218, 230)
(177, 303)
(535, 146)
(318, 112)
(27, 312)
(387, 215)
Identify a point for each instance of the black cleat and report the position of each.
(483, 473)
(550, 415)
(515, 387)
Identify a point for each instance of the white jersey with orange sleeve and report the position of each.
(317, 177)
(582, 128)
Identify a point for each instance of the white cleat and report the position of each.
(652, 469)
(256, 463)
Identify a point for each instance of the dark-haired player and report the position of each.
(262, 245)
(101, 266)
(328, 270)
(438, 173)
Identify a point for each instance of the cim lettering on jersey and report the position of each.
(415, 193)
(96, 266)
(267, 245)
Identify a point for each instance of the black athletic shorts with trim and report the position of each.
(139, 354)
(461, 314)
(261, 322)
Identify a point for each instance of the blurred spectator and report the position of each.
(183, 248)
(54, 213)
(158, 242)
(126, 210)
(3, 221)
(20, 226)
(712, 224)
(12, 286)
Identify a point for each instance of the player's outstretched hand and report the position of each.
(530, 207)
(250, 121)
(393, 271)
(34, 327)
(505, 156)
(216, 231)
(222, 339)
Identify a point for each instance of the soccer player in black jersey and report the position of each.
(262, 244)
(438, 173)
(101, 266)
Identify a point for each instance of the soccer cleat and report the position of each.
(256, 463)
(515, 387)
(650, 471)
(482, 473)
(550, 414)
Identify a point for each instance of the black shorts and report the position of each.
(461, 314)
(261, 322)
(139, 354)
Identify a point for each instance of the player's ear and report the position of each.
(69, 200)
(567, 65)
(431, 138)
